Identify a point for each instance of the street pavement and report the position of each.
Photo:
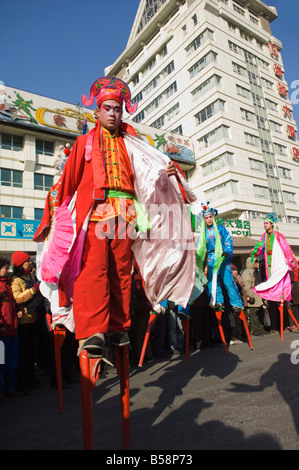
(244, 400)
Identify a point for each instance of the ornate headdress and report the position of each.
(110, 88)
(271, 217)
(206, 210)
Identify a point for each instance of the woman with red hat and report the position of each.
(22, 278)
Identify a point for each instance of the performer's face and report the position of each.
(209, 220)
(110, 114)
(268, 226)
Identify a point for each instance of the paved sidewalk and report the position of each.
(247, 399)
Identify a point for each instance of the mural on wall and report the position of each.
(18, 105)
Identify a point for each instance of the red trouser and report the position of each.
(102, 291)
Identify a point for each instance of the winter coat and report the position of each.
(249, 277)
(8, 313)
(21, 295)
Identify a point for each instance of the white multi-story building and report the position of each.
(212, 71)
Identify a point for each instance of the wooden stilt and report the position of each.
(280, 308)
(186, 328)
(59, 336)
(87, 386)
(90, 367)
(243, 318)
(292, 316)
(218, 314)
(121, 355)
(151, 321)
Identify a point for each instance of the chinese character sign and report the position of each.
(273, 50)
(295, 153)
(18, 229)
(238, 227)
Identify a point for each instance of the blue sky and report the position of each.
(57, 48)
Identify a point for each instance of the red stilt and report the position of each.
(151, 321)
(292, 315)
(90, 368)
(87, 386)
(218, 314)
(59, 335)
(121, 355)
(243, 318)
(281, 319)
(186, 328)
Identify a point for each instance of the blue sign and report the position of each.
(18, 228)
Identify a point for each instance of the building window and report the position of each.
(195, 21)
(11, 142)
(271, 105)
(247, 115)
(162, 76)
(261, 191)
(266, 145)
(261, 122)
(202, 63)
(12, 178)
(280, 149)
(256, 165)
(44, 147)
(178, 130)
(38, 214)
(276, 127)
(11, 212)
(209, 111)
(253, 78)
(167, 116)
(243, 92)
(161, 98)
(217, 163)
(207, 34)
(239, 69)
(150, 65)
(137, 98)
(139, 117)
(254, 19)
(285, 173)
(214, 136)
(222, 190)
(267, 84)
(206, 86)
(43, 182)
(289, 197)
(239, 10)
(257, 100)
(235, 48)
(271, 170)
(251, 139)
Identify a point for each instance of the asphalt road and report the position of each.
(244, 400)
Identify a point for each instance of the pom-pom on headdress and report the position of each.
(207, 210)
(110, 88)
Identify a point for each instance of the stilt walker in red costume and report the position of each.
(99, 212)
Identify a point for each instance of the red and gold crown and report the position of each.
(110, 88)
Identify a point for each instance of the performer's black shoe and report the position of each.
(93, 345)
(237, 309)
(118, 338)
(218, 307)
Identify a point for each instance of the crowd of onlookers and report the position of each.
(28, 338)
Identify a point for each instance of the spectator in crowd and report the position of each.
(255, 304)
(25, 291)
(8, 336)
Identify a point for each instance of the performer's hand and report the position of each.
(171, 169)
